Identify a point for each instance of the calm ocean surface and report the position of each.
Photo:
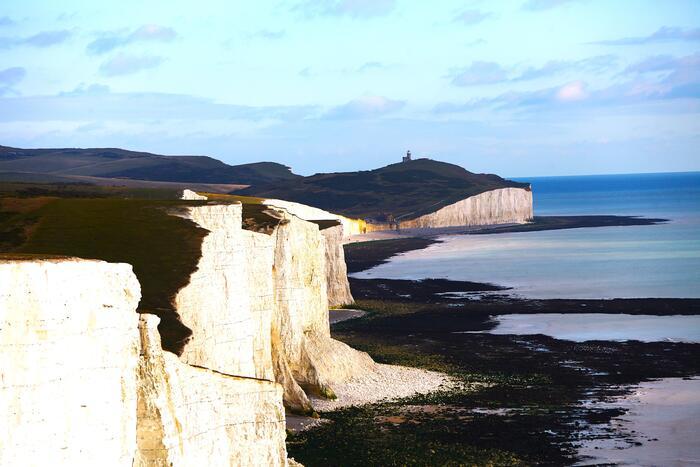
(606, 262)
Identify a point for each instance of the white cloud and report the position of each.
(351, 8)
(539, 5)
(570, 92)
(365, 106)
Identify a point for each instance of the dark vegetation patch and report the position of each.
(520, 397)
(163, 249)
(419, 290)
(519, 402)
(396, 192)
(83, 190)
(493, 300)
(571, 222)
(120, 163)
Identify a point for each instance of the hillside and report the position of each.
(123, 164)
(400, 191)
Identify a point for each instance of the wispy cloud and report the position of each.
(123, 64)
(554, 67)
(6, 21)
(87, 90)
(369, 66)
(350, 8)
(41, 39)
(364, 107)
(10, 77)
(677, 76)
(480, 72)
(109, 41)
(680, 80)
(366, 67)
(471, 17)
(97, 103)
(539, 5)
(664, 34)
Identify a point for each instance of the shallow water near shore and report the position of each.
(662, 425)
(583, 327)
(660, 261)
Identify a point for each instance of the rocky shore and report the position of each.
(518, 400)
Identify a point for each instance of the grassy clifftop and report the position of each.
(404, 190)
(119, 227)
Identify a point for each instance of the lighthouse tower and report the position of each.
(407, 157)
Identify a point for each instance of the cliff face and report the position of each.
(85, 381)
(195, 416)
(505, 205)
(310, 213)
(302, 346)
(223, 304)
(258, 304)
(338, 287)
(68, 355)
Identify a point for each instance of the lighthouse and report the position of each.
(407, 157)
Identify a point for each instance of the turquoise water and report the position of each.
(605, 262)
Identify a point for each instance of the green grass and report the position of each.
(83, 190)
(121, 225)
(163, 249)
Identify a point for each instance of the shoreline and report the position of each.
(368, 250)
(521, 399)
(539, 223)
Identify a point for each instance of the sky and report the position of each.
(514, 87)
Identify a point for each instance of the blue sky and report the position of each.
(519, 88)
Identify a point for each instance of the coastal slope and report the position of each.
(116, 163)
(417, 193)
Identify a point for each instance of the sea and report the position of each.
(601, 262)
(661, 261)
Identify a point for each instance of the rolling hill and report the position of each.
(123, 164)
(404, 190)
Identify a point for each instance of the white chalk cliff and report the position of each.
(310, 213)
(501, 206)
(85, 381)
(69, 351)
(258, 304)
(338, 287)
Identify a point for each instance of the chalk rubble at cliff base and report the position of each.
(385, 383)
